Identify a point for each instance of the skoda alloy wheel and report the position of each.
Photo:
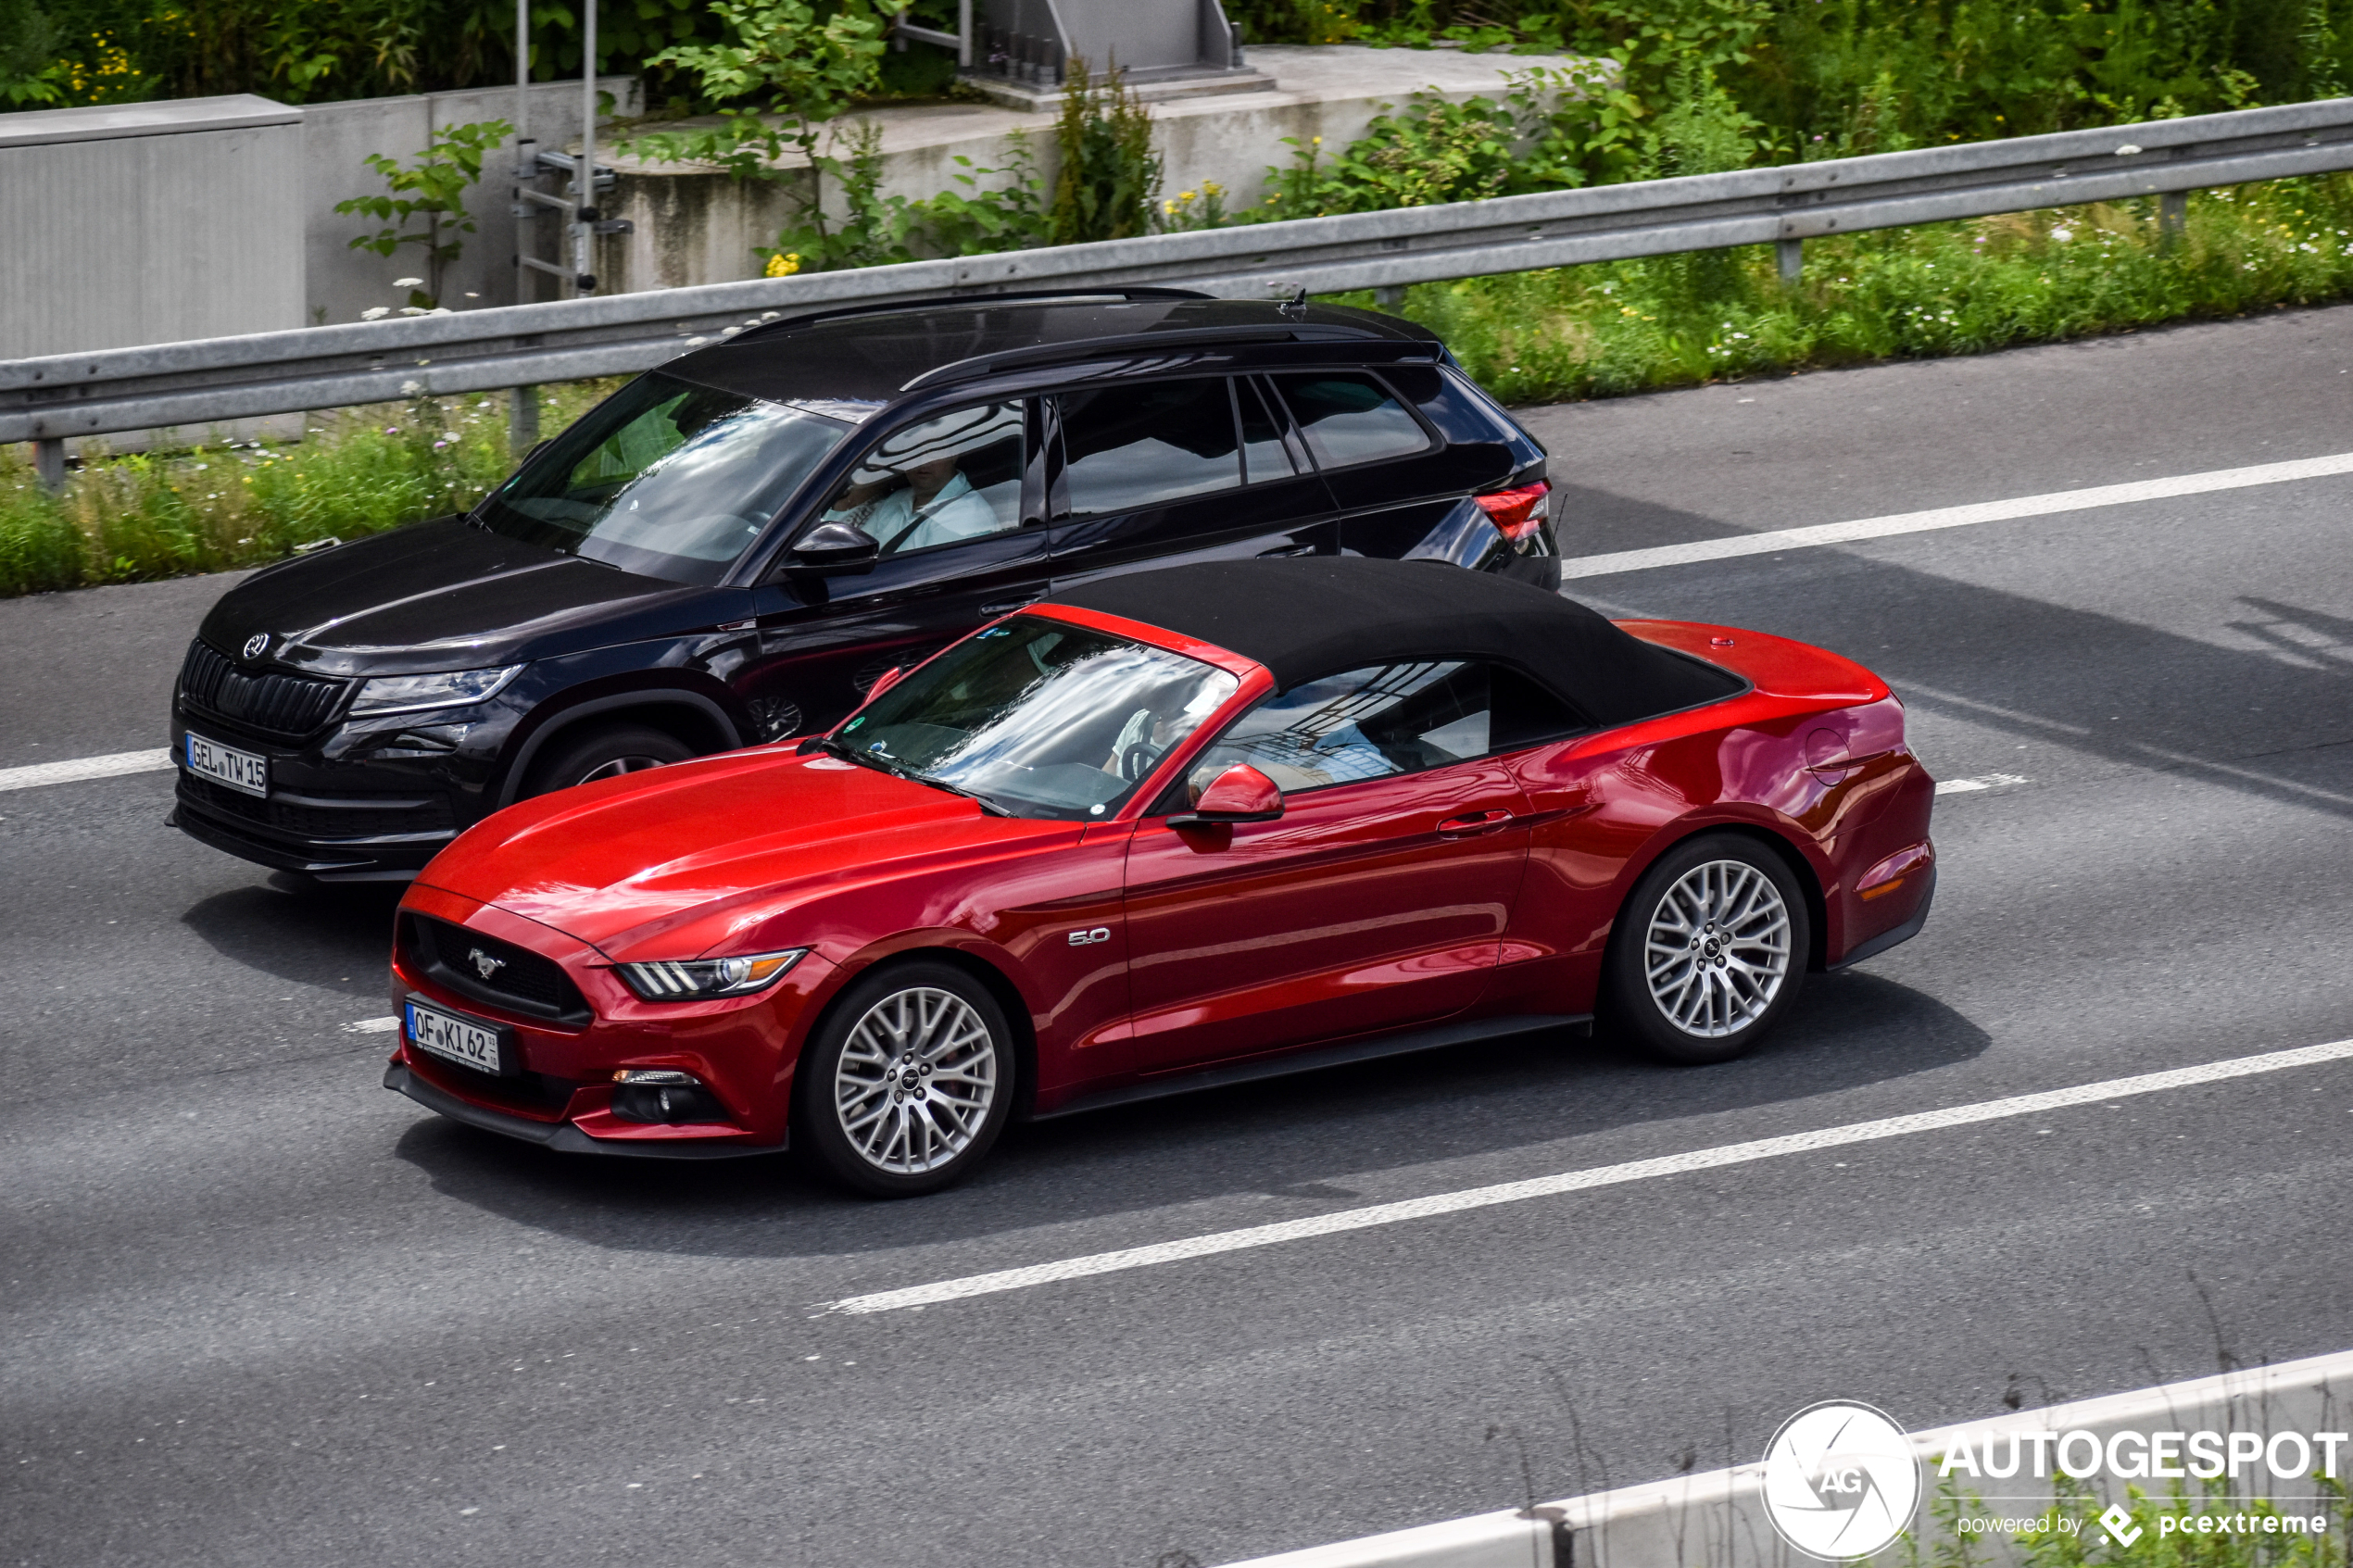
(1710, 949)
(908, 1081)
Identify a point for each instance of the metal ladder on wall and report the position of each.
(575, 198)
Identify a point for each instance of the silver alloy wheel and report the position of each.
(1717, 949)
(619, 766)
(915, 1081)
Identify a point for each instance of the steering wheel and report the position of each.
(1135, 761)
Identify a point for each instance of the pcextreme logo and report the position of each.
(1841, 1481)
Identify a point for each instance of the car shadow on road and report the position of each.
(1299, 1144)
(336, 936)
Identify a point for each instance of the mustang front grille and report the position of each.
(491, 970)
(272, 702)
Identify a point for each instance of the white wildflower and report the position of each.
(408, 282)
(2127, 150)
(412, 388)
(2062, 235)
(375, 312)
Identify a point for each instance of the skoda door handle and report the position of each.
(1007, 605)
(1286, 550)
(1475, 821)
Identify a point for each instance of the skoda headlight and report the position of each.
(694, 979)
(411, 694)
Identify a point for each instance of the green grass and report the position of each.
(141, 517)
(1532, 337)
(1950, 288)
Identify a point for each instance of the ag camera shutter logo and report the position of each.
(1841, 1481)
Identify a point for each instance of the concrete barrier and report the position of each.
(1718, 1519)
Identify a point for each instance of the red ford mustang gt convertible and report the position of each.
(1166, 829)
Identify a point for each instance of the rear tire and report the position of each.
(907, 1083)
(603, 751)
(1709, 950)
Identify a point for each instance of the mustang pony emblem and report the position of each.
(483, 963)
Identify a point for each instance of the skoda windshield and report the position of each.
(1038, 718)
(666, 478)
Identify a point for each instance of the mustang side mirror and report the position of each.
(1240, 794)
(834, 547)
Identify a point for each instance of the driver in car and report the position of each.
(919, 497)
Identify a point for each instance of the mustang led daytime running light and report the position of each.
(694, 979)
(412, 693)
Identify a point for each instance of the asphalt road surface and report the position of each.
(255, 1310)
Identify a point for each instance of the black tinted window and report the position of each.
(950, 478)
(1264, 455)
(1350, 419)
(1138, 446)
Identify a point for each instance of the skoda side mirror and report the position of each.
(1240, 794)
(834, 547)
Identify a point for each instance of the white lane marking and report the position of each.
(371, 1026)
(1955, 516)
(1578, 1181)
(83, 768)
(1990, 781)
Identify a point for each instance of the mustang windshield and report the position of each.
(664, 478)
(1038, 718)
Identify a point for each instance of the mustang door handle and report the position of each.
(1476, 821)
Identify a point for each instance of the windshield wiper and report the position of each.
(896, 768)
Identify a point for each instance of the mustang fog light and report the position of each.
(663, 1094)
(693, 980)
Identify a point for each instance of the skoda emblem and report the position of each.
(484, 962)
(257, 644)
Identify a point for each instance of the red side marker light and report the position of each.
(1516, 513)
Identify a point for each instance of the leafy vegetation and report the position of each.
(143, 516)
(1947, 288)
(431, 192)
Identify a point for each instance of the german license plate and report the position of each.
(479, 1045)
(226, 764)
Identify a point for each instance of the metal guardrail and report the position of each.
(47, 400)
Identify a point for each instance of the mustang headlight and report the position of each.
(693, 980)
(411, 694)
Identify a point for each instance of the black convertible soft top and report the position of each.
(1307, 618)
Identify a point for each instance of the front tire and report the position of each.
(908, 1083)
(603, 751)
(1709, 950)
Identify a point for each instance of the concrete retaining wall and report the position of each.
(339, 283)
(695, 227)
(148, 223)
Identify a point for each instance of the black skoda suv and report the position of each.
(732, 548)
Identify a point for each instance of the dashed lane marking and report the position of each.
(1457, 1202)
(1955, 517)
(83, 768)
(1989, 780)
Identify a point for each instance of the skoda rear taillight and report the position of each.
(1518, 513)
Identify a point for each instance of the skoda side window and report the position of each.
(952, 478)
(1126, 447)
